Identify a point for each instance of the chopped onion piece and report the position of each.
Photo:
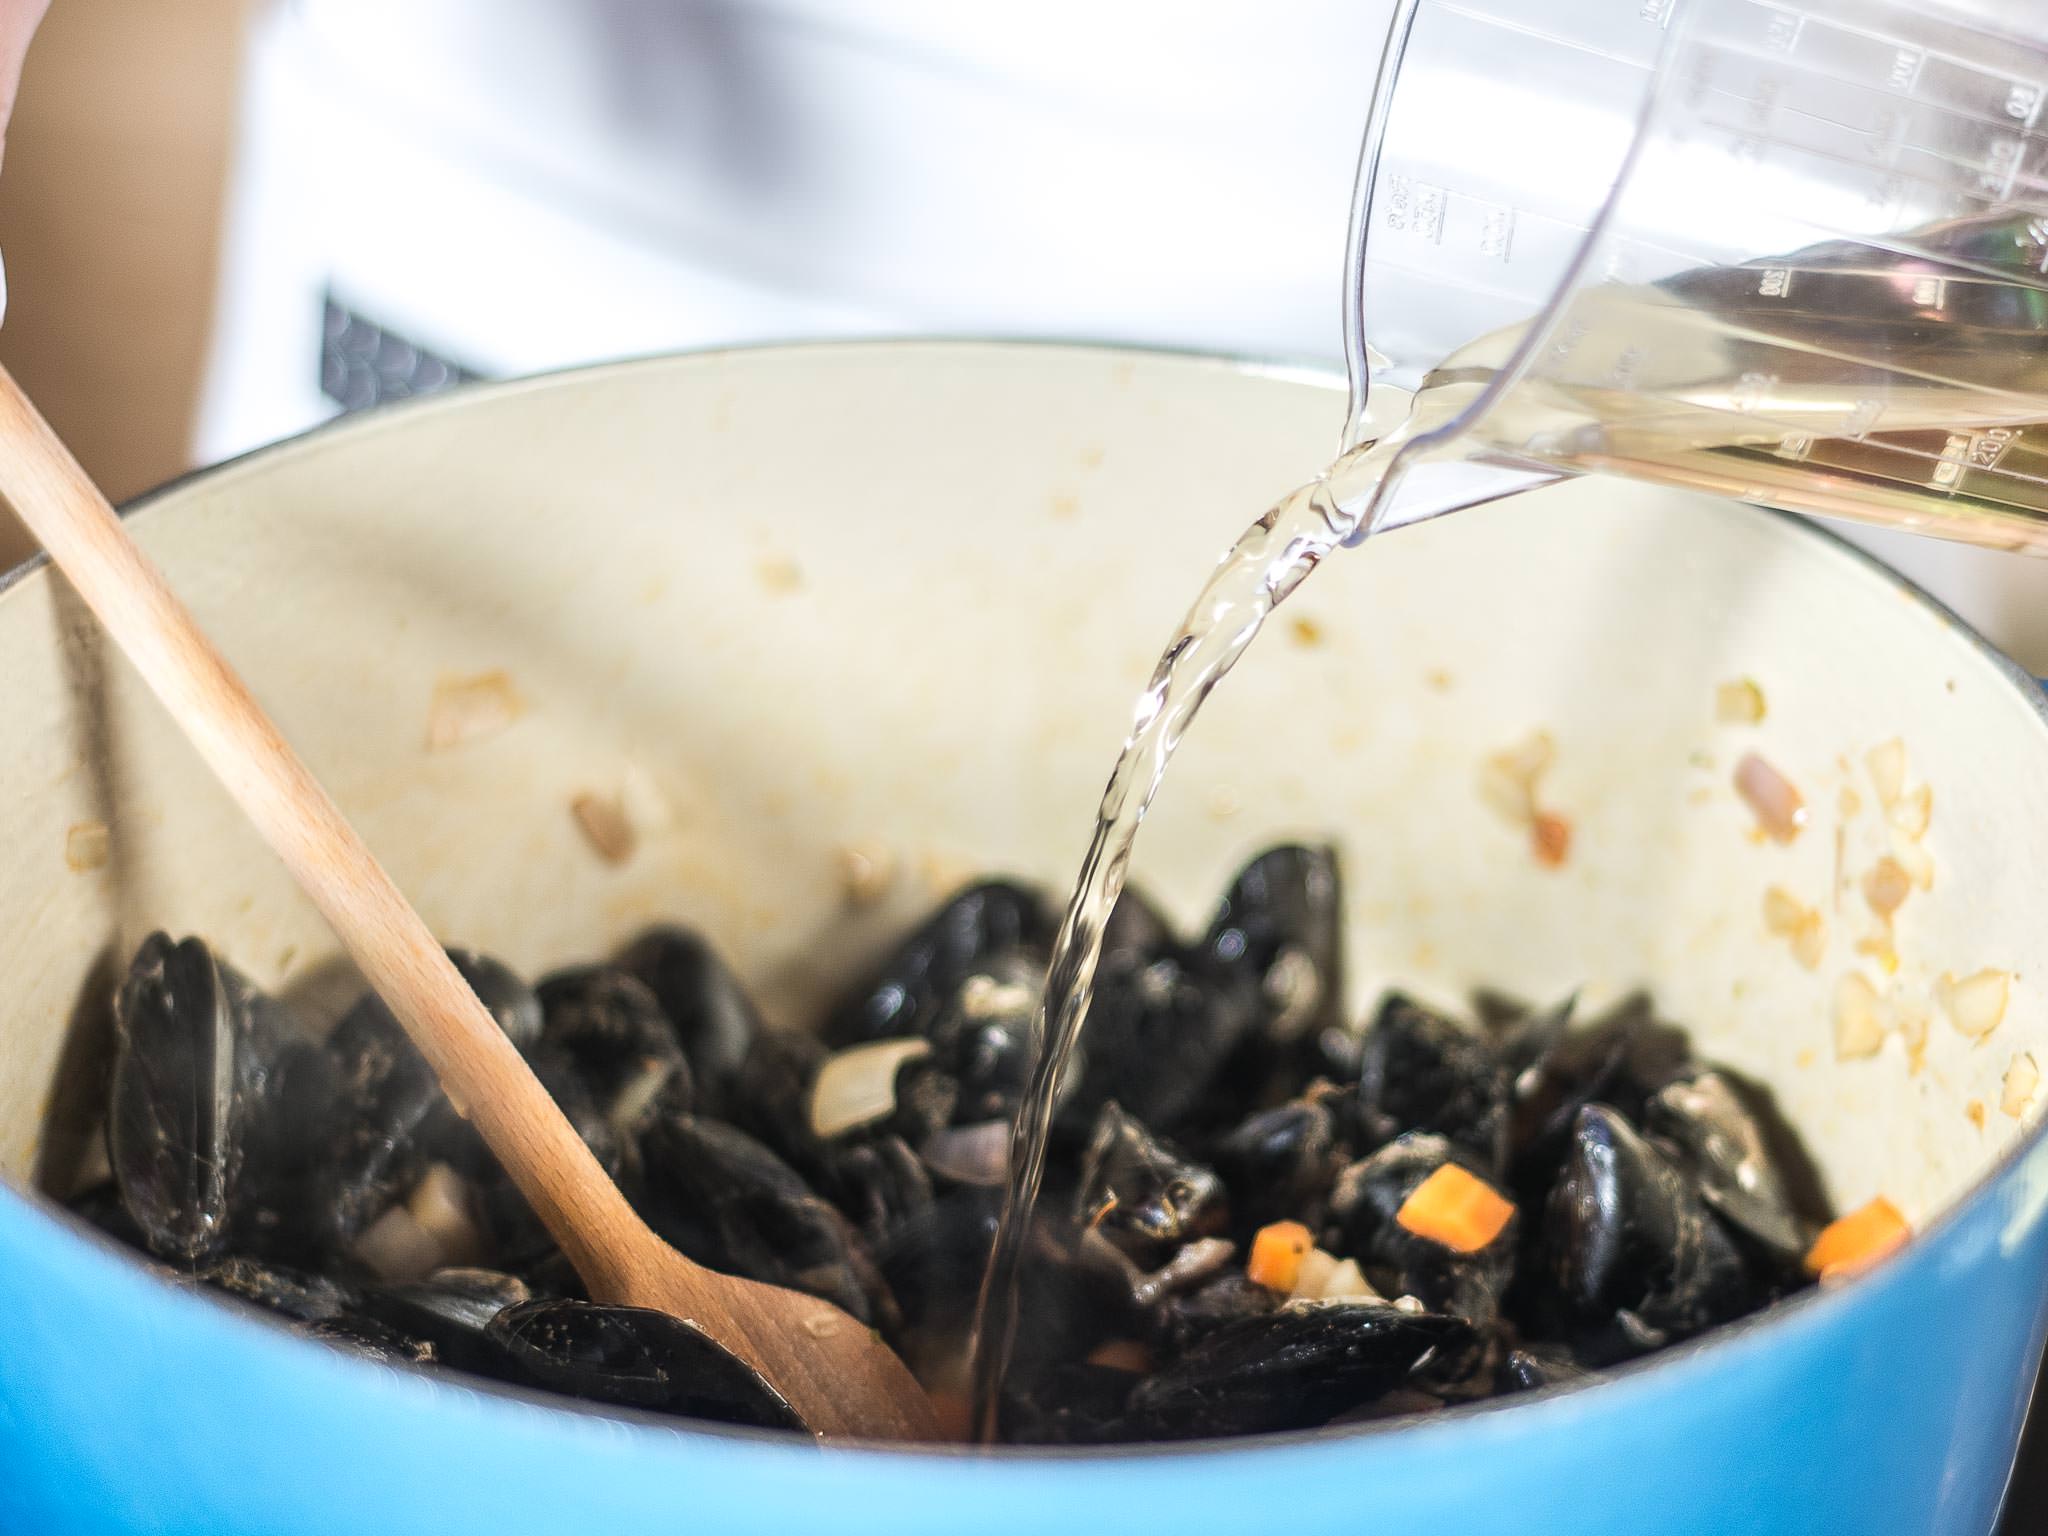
(1859, 1024)
(1976, 1003)
(2022, 1080)
(440, 1203)
(1783, 912)
(1507, 780)
(1739, 703)
(1347, 1282)
(430, 1230)
(1887, 765)
(1881, 947)
(1886, 886)
(1911, 1014)
(983, 997)
(969, 1154)
(466, 709)
(866, 871)
(1912, 812)
(1780, 810)
(87, 845)
(1810, 941)
(858, 1086)
(1912, 856)
(605, 826)
(1788, 917)
(1317, 1267)
(396, 1247)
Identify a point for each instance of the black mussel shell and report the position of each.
(712, 1016)
(279, 1288)
(1423, 1072)
(1142, 1192)
(934, 1262)
(1535, 1366)
(1182, 1320)
(390, 1117)
(1523, 1036)
(1275, 948)
(369, 1339)
(191, 1068)
(1620, 1060)
(1296, 1368)
(730, 1202)
(451, 1310)
(969, 933)
(1279, 1163)
(1070, 1297)
(634, 1358)
(1157, 1040)
(1278, 934)
(1076, 1403)
(101, 1204)
(771, 1098)
(927, 1100)
(982, 1036)
(1137, 931)
(615, 1030)
(1727, 1149)
(881, 1186)
(292, 1131)
(1634, 1257)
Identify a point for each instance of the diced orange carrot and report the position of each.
(1457, 1209)
(1857, 1240)
(1277, 1252)
(1122, 1355)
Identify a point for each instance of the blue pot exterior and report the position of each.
(1891, 1405)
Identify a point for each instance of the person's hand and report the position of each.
(18, 22)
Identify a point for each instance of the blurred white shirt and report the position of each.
(522, 184)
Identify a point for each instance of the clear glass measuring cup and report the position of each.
(1794, 253)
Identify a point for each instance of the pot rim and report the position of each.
(1809, 1308)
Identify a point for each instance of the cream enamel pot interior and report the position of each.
(897, 598)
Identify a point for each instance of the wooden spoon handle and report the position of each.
(482, 1071)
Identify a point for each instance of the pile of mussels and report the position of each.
(1222, 1094)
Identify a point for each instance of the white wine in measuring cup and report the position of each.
(1904, 390)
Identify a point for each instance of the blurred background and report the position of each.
(226, 220)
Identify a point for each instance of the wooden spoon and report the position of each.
(834, 1371)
